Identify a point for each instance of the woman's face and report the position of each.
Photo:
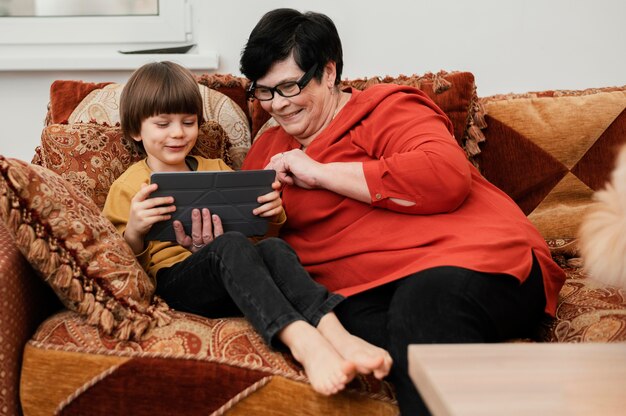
(305, 115)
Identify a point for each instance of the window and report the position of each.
(171, 24)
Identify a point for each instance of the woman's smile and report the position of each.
(290, 116)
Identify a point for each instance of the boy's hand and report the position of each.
(204, 229)
(271, 203)
(144, 212)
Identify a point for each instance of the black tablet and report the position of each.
(230, 194)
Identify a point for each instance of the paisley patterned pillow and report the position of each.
(77, 251)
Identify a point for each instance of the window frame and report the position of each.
(172, 24)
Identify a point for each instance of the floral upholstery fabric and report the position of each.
(588, 311)
(77, 251)
(89, 156)
(65, 95)
(18, 319)
(187, 335)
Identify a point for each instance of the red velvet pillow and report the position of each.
(65, 96)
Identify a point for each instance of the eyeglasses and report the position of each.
(284, 89)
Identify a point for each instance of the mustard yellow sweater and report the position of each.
(157, 254)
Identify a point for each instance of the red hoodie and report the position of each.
(408, 152)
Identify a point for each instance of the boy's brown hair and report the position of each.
(158, 88)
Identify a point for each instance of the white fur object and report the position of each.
(603, 230)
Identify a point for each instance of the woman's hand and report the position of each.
(345, 178)
(204, 229)
(296, 168)
(271, 203)
(144, 213)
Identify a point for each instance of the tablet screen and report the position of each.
(230, 194)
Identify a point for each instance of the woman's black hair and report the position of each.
(311, 37)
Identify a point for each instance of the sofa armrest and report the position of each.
(25, 302)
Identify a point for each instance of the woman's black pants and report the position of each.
(442, 305)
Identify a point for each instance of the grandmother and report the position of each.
(383, 206)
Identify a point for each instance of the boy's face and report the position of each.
(168, 139)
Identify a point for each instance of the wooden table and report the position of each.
(521, 378)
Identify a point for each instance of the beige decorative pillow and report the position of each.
(91, 156)
(102, 106)
(551, 150)
(231, 117)
(77, 251)
(99, 106)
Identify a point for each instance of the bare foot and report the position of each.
(326, 369)
(368, 358)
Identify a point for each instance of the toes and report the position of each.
(363, 370)
(380, 374)
(332, 385)
(325, 388)
(382, 371)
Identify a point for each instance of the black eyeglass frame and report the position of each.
(301, 83)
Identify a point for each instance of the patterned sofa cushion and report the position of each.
(19, 291)
(69, 366)
(232, 86)
(77, 251)
(551, 150)
(588, 310)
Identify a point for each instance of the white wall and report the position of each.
(510, 46)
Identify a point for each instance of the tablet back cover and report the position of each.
(230, 194)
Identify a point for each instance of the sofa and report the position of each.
(81, 331)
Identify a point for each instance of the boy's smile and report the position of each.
(168, 139)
